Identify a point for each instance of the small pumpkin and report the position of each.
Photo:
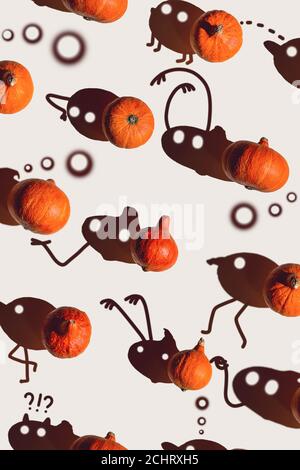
(190, 369)
(103, 11)
(39, 205)
(282, 290)
(16, 87)
(256, 166)
(67, 332)
(97, 443)
(295, 405)
(128, 122)
(216, 36)
(155, 249)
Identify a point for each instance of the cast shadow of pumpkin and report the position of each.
(286, 59)
(22, 320)
(198, 149)
(84, 109)
(242, 276)
(148, 356)
(54, 4)
(8, 178)
(105, 235)
(270, 393)
(170, 24)
(37, 435)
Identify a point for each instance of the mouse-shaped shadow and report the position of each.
(148, 356)
(242, 276)
(200, 150)
(8, 178)
(171, 23)
(54, 4)
(41, 435)
(22, 320)
(105, 235)
(286, 59)
(268, 392)
(196, 444)
(84, 110)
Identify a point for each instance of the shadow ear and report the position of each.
(272, 47)
(25, 418)
(168, 446)
(169, 337)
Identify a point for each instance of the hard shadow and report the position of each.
(196, 444)
(148, 356)
(54, 4)
(242, 276)
(170, 24)
(286, 59)
(200, 150)
(38, 435)
(8, 178)
(105, 235)
(22, 320)
(84, 110)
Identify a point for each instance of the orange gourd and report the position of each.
(97, 443)
(39, 205)
(190, 369)
(282, 290)
(256, 166)
(216, 36)
(16, 87)
(155, 249)
(128, 122)
(104, 11)
(67, 332)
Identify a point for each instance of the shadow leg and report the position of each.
(183, 59)
(213, 313)
(152, 40)
(238, 326)
(158, 47)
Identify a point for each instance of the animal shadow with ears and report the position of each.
(148, 356)
(196, 444)
(41, 435)
(286, 59)
(104, 234)
(170, 24)
(198, 149)
(242, 276)
(272, 394)
(22, 320)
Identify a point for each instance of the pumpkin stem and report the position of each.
(63, 327)
(293, 281)
(200, 344)
(110, 436)
(132, 119)
(9, 79)
(264, 141)
(211, 29)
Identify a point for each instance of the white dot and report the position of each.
(124, 235)
(178, 137)
(19, 309)
(197, 142)
(41, 432)
(68, 47)
(239, 263)
(79, 162)
(140, 349)
(292, 51)
(182, 17)
(90, 117)
(7, 34)
(74, 111)
(95, 225)
(166, 9)
(32, 33)
(244, 216)
(275, 209)
(165, 356)
(24, 430)
(252, 378)
(190, 448)
(271, 387)
(298, 380)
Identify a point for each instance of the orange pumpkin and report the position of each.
(39, 205)
(104, 11)
(155, 249)
(282, 290)
(190, 370)
(128, 122)
(295, 405)
(16, 87)
(216, 36)
(97, 443)
(67, 332)
(256, 166)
